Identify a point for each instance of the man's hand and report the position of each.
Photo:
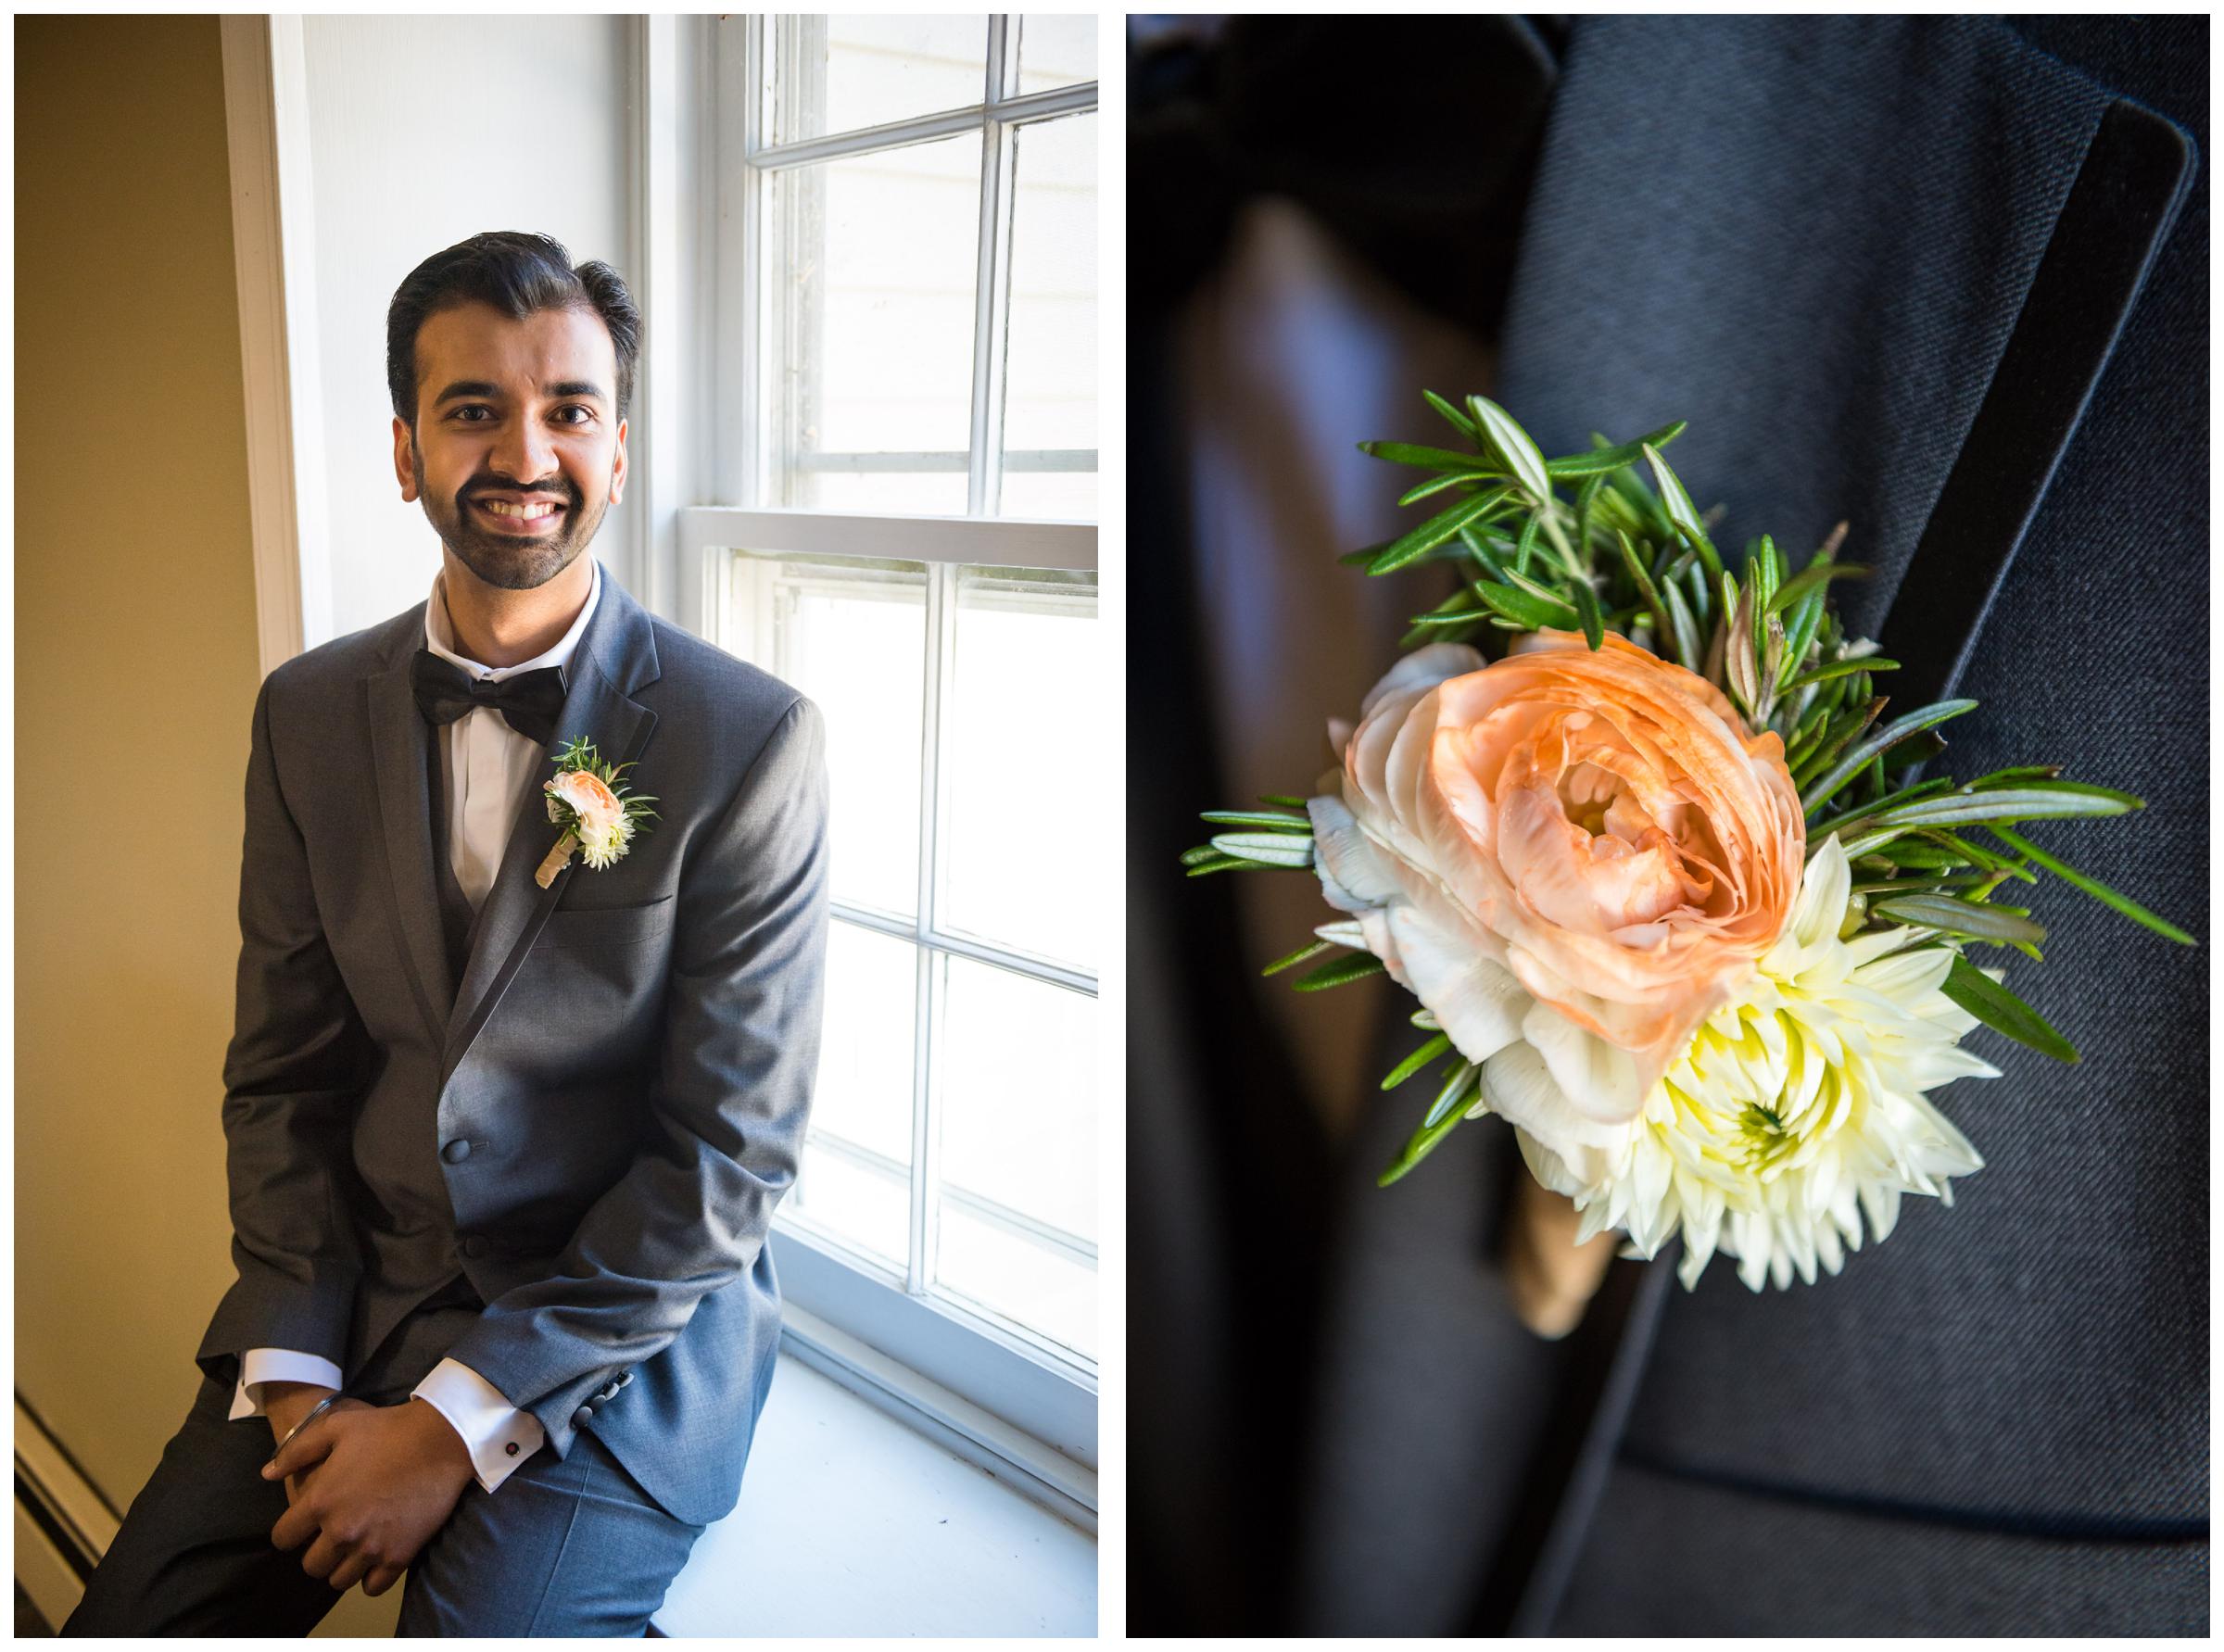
(386, 1477)
(285, 1404)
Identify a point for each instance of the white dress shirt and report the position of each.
(488, 771)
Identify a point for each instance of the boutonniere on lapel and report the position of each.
(598, 813)
(1636, 830)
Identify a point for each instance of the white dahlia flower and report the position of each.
(1798, 1106)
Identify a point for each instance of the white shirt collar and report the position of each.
(439, 638)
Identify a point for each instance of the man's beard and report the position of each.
(509, 561)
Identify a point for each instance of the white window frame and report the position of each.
(1014, 1404)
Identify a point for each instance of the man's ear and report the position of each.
(404, 471)
(617, 468)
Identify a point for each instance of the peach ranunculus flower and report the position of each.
(596, 804)
(1570, 857)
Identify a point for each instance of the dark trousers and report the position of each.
(574, 1547)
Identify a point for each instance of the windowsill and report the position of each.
(852, 1524)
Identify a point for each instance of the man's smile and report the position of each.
(531, 516)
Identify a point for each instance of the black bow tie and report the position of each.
(530, 702)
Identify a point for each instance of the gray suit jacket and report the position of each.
(594, 1124)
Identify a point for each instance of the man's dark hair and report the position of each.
(518, 274)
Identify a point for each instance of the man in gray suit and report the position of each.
(502, 1154)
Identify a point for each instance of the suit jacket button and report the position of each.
(472, 1245)
(582, 1416)
(456, 1152)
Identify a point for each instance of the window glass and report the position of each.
(1056, 50)
(1016, 1086)
(1050, 345)
(1026, 756)
(856, 1181)
(869, 342)
(836, 74)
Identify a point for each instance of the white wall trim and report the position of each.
(46, 1478)
(274, 242)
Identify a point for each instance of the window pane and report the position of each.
(836, 74)
(856, 1174)
(1049, 343)
(814, 619)
(1056, 50)
(1016, 1076)
(1027, 749)
(869, 338)
(1050, 496)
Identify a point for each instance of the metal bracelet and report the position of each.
(316, 1411)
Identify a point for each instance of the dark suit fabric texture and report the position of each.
(545, 1140)
(1892, 271)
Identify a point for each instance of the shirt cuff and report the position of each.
(259, 1365)
(497, 1433)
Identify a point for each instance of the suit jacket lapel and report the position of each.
(2128, 194)
(616, 657)
(399, 742)
(1823, 273)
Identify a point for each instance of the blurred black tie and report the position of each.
(530, 702)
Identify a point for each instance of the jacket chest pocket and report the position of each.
(596, 928)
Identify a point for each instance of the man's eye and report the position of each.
(588, 413)
(475, 408)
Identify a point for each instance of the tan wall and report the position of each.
(135, 679)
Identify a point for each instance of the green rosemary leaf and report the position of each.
(1428, 459)
(1682, 628)
(1891, 734)
(1226, 863)
(1444, 1117)
(1505, 438)
(1453, 416)
(1645, 588)
(1435, 484)
(1526, 547)
(1763, 576)
(1983, 858)
(1525, 609)
(1366, 553)
(2093, 887)
(1906, 794)
(1273, 849)
(1961, 917)
(1586, 610)
(2036, 771)
(2077, 789)
(1600, 461)
(1832, 740)
(2003, 1012)
(1199, 855)
(1310, 950)
(1355, 967)
(1287, 802)
(2009, 805)
(1817, 576)
(1836, 668)
(1485, 558)
(1677, 504)
(1411, 547)
(1273, 819)
(1415, 1062)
